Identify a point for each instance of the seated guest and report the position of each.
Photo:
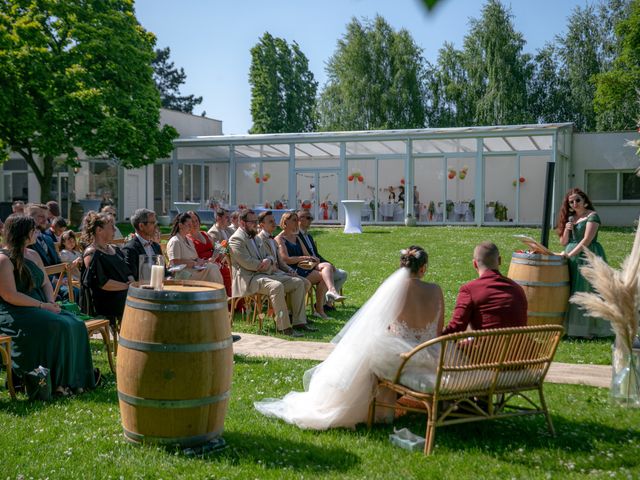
(293, 252)
(201, 240)
(43, 244)
(182, 251)
(267, 225)
(304, 224)
(17, 207)
(53, 210)
(112, 211)
(70, 252)
(490, 301)
(234, 220)
(144, 223)
(58, 225)
(1, 233)
(41, 333)
(220, 232)
(106, 275)
(250, 267)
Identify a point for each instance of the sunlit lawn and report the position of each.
(81, 437)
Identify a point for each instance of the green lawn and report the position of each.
(81, 437)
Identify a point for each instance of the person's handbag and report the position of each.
(38, 384)
(306, 264)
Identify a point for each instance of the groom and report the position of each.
(250, 275)
(490, 301)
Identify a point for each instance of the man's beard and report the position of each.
(251, 233)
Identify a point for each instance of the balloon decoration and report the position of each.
(355, 177)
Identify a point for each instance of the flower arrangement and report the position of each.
(451, 174)
(242, 206)
(221, 248)
(355, 176)
(521, 180)
(462, 174)
(306, 205)
(402, 181)
(278, 205)
(267, 205)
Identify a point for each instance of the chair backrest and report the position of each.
(61, 270)
(484, 362)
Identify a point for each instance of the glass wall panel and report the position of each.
(162, 188)
(306, 191)
(275, 181)
(362, 184)
(391, 190)
(248, 184)
(428, 179)
(531, 182)
(218, 183)
(500, 194)
(103, 182)
(328, 197)
(461, 177)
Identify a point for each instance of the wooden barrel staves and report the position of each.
(175, 359)
(545, 280)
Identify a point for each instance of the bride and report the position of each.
(401, 314)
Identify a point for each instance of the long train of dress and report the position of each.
(338, 390)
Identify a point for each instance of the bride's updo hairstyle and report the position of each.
(413, 258)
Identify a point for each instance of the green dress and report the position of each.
(57, 341)
(577, 322)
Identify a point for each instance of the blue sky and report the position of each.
(211, 39)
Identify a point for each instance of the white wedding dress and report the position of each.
(338, 391)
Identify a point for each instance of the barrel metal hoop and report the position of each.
(539, 264)
(176, 296)
(545, 314)
(188, 403)
(183, 441)
(176, 307)
(537, 256)
(175, 347)
(526, 283)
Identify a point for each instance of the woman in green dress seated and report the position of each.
(577, 228)
(41, 333)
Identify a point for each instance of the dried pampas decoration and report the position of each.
(616, 295)
(616, 298)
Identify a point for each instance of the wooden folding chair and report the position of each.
(100, 326)
(5, 354)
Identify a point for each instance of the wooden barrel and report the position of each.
(175, 360)
(545, 280)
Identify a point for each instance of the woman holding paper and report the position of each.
(577, 227)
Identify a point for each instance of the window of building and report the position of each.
(613, 186)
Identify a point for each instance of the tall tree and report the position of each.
(283, 89)
(581, 52)
(168, 80)
(77, 74)
(498, 71)
(549, 89)
(616, 98)
(376, 80)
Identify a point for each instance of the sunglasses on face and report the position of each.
(307, 218)
(576, 200)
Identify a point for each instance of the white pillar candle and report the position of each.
(157, 275)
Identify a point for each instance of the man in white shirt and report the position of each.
(220, 230)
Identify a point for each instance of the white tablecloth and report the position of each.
(353, 215)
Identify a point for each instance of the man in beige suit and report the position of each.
(250, 275)
(220, 230)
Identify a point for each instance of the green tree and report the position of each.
(283, 89)
(549, 88)
(77, 75)
(168, 80)
(616, 97)
(498, 71)
(375, 80)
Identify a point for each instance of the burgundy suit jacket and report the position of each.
(491, 301)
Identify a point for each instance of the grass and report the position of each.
(81, 437)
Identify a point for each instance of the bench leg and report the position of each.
(543, 403)
(6, 359)
(430, 435)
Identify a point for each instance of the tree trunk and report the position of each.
(43, 175)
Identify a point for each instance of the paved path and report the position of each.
(265, 346)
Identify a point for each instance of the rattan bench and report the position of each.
(5, 356)
(478, 376)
